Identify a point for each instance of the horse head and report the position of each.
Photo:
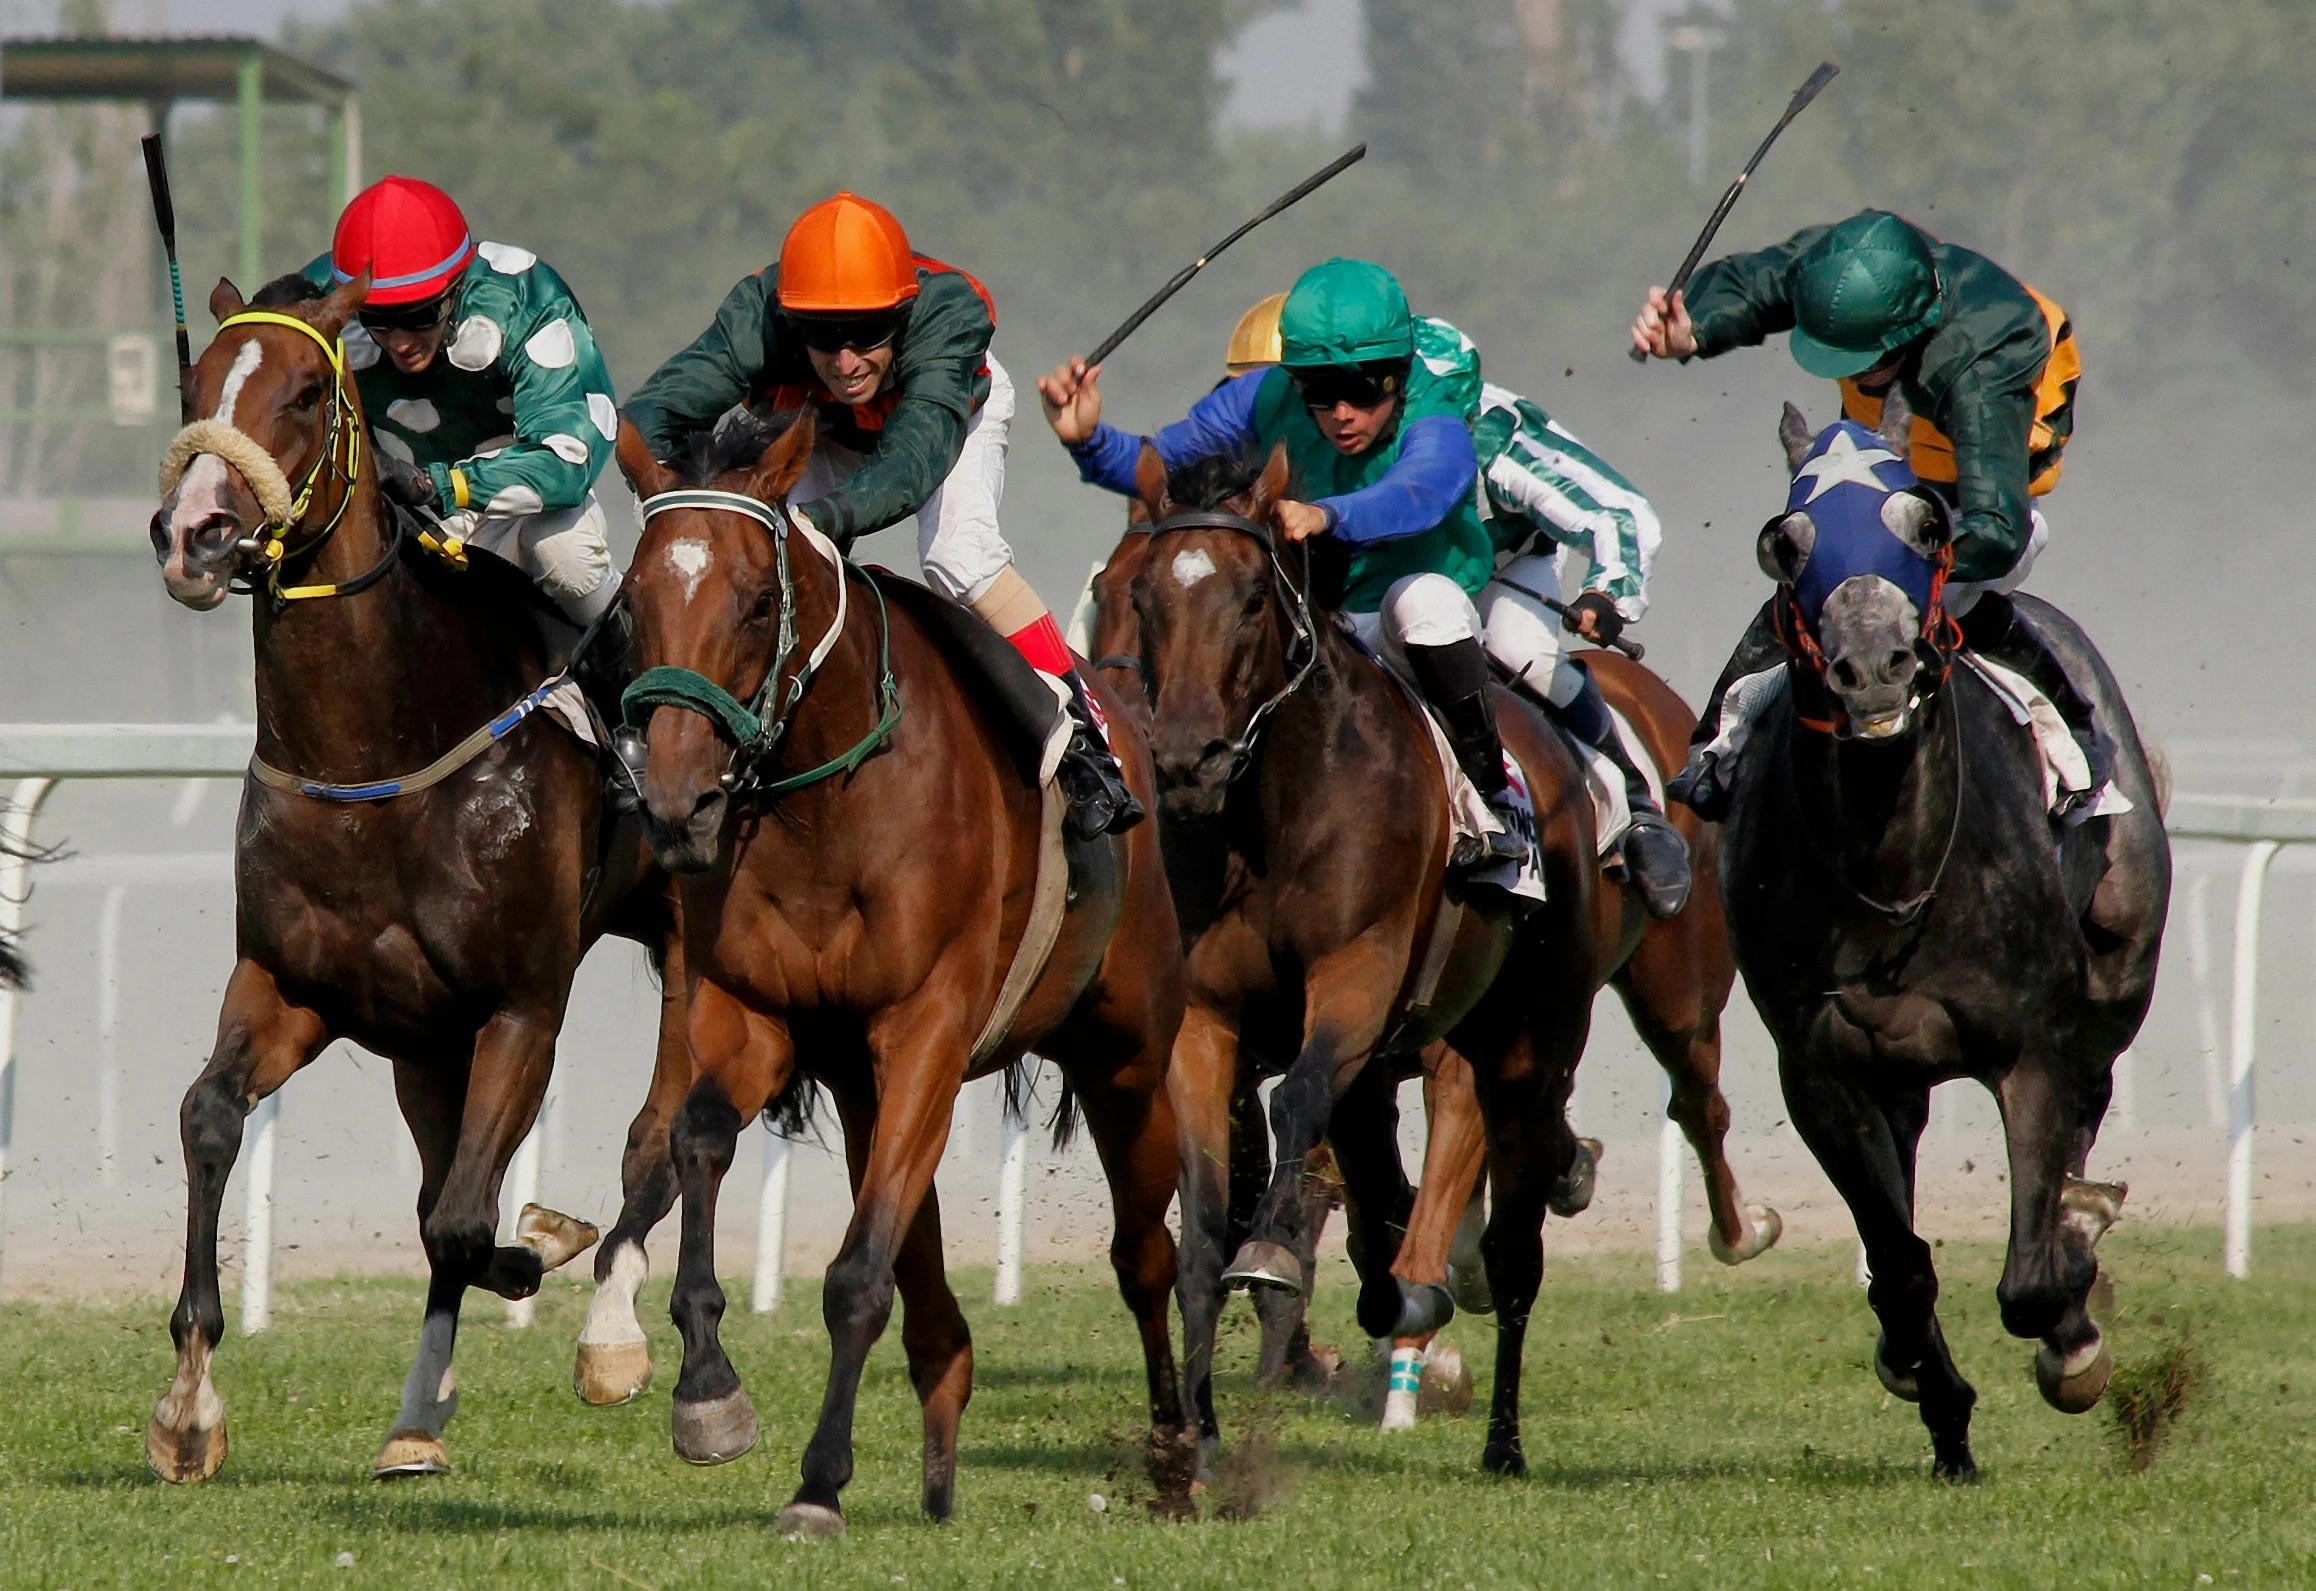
(270, 405)
(1215, 631)
(710, 592)
(1861, 552)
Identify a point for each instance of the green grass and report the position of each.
(1732, 1436)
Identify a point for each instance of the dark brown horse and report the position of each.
(858, 929)
(439, 927)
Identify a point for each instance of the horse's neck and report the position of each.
(842, 701)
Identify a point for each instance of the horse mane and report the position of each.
(1212, 482)
(284, 291)
(735, 442)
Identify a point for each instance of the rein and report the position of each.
(1298, 610)
(756, 728)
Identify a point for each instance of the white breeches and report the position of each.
(565, 551)
(1418, 610)
(958, 542)
(1962, 595)
(1526, 636)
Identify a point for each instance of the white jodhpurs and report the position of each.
(565, 551)
(958, 543)
(1418, 610)
(1525, 636)
(1962, 595)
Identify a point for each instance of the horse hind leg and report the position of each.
(262, 1040)
(939, 1346)
(1202, 1078)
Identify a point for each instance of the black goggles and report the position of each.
(828, 334)
(423, 315)
(1361, 386)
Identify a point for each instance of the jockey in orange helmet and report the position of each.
(891, 349)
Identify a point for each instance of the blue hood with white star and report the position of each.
(1841, 486)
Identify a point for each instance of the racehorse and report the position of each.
(1905, 915)
(861, 866)
(435, 917)
(1674, 977)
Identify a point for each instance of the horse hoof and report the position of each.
(809, 1522)
(717, 1431)
(1399, 1410)
(183, 1457)
(1571, 1196)
(1961, 1471)
(555, 1237)
(1504, 1459)
(2074, 1383)
(1265, 1264)
(1898, 1383)
(1468, 1286)
(1424, 1307)
(607, 1374)
(2087, 1209)
(1447, 1382)
(410, 1453)
(1317, 1371)
(1763, 1227)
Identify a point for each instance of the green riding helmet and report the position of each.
(1345, 313)
(1866, 288)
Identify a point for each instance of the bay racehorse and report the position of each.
(1674, 977)
(860, 863)
(424, 891)
(1905, 913)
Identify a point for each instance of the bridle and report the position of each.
(284, 537)
(756, 728)
(1302, 649)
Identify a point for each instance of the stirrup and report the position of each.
(1699, 786)
(1099, 801)
(623, 778)
(1475, 852)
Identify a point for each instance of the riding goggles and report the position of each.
(423, 315)
(863, 334)
(1361, 386)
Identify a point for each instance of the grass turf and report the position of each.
(1732, 1436)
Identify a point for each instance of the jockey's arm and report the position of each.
(1219, 425)
(1552, 484)
(1739, 299)
(565, 423)
(1992, 521)
(1435, 468)
(691, 390)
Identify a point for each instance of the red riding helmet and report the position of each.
(410, 237)
(846, 256)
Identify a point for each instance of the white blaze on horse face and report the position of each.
(1191, 565)
(689, 559)
(246, 359)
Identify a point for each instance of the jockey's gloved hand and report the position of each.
(406, 484)
(1607, 623)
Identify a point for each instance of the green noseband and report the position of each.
(683, 687)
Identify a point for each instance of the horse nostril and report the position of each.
(1898, 666)
(1845, 674)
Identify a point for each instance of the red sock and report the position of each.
(1043, 645)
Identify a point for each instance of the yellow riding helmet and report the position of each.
(1254, 341)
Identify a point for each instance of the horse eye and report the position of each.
(307, 397)
(765, 600)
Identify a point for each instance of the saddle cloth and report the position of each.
(1611, 805)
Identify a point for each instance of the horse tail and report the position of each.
(13, 972)
(1067, 1114)
(1020, 1092)
(793, 1112)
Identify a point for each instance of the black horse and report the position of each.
(1906, 912)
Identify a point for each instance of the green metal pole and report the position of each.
(346, 158)
(252, 102)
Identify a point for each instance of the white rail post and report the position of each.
(2242, 1042)
(15, 865)
(771, 1225)
(2206, 1008)
(1013, 1198)
(108, 1035)
(523, 1178)
(1669, 1197)
(257, 1221)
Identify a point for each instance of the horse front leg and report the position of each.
(2049, 1118)
(1446, 1200)
(261, 1041)
(1202, 1080)
(613, 1363)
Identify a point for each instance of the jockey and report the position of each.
(1989, 367)
(892, 349)
(1544, 493)
(1375, 408)
(487, 400)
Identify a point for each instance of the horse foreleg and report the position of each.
(1201, 1080)
(940, 1350)
(614, 1358)
(1446, 1200)
(1524, 1096)
(431, 1106)
(261, 1041)
(2056, 1220)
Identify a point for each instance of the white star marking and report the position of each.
(1844, 463)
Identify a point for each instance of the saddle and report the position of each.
(1029, 717)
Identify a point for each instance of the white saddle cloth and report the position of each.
(1611, 806)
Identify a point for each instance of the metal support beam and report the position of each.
(2243, 1018)
(251, 100)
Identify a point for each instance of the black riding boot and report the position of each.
(1995, 628)
(1703, 784)
(1454, 679)
(1099, 802)
(1656, 857)
(603, 671)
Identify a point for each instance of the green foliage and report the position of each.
(2147, 1397)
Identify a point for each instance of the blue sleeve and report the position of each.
(1219, 424)
(1435, 468)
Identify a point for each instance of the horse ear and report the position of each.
(1794, 434)
(646, 474)
(1897, 428)
(1150, 483)
(1785, 545)
(329, 315)
(783, 463)
(1917, 521)
(1138, 514)
(225, 300)
(1273, 484)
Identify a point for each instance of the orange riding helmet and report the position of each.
(846, 256)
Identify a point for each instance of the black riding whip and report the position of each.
(165, 216)
(1800, 102)
(1333, 169)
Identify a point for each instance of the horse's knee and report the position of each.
(209, 1121)
(1904, 1283)
(458, 1243)
(857, 1295)
(705, 1132)
(2032, 1306)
